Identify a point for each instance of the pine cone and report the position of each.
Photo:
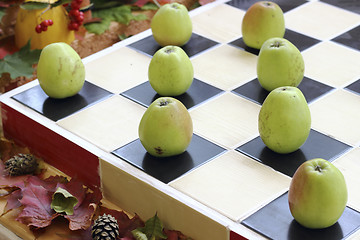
(21, 164)
(105, 228)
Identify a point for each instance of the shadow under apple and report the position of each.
(285, 163)
(298, 232)
(167, 168)
(56, 109)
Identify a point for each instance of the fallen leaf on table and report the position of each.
(20, 63)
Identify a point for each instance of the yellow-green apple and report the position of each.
(284, 120)
(263, 20)
(279, 63)
(317, 194)
(60, 71)
(170, 71)
(171, 25)
(166, 128)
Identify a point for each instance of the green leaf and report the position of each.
(153, 229)
(149, 6)
(20, 63)
(63, 201)
(122, 36)
(98, 27)
(121, 14)
(60, 2)
(32, 5)
(138, 235)
(140, 17)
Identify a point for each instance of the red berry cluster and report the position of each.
(76, 16)
(43, 26)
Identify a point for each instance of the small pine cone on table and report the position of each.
(21, 164)
(105, 227)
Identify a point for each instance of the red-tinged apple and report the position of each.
(171, 25)
(284, 120)
(318, 194)
(279, 63)
(170, 71)
(263, 20)
(166, 128)
(60, 71)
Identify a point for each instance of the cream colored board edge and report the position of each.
(153, 196)
(146, 199)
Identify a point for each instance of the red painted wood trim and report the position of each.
(55, 149)
(235, 236)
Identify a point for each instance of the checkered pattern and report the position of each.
(227, 167)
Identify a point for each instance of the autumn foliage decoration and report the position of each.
(34, 195)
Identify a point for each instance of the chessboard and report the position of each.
(228, 184)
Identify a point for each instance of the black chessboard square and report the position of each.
(317, 145)
(350, 5)
(350, 38)
(354, 87)
(301, 41)
(169, 168)
(275, 221)
(198, 92)
(195, 45)
(253, 91)
(55, 109)
(285, 5)
(240, 44)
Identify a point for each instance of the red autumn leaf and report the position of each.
(76, 188)
(9, 184)
(13, 200)
(36, 201)
(82, 217)
(84, 212)
(126, 224)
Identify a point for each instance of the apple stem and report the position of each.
(267, 3)
(318, 168)
(276, 44)
(169, 50)
(163, 103)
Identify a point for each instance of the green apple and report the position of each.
(318, 194)
(166, 128)
(171, 25)
(263, 20)
(170, 71)
(284, 120)
(279, 64)
(60, 71)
